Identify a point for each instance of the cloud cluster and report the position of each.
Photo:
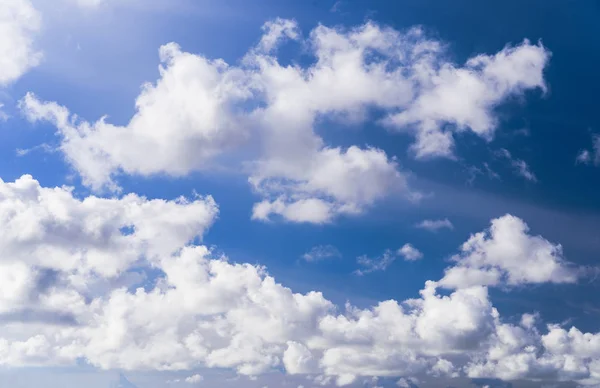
(507, 254)
(201, 109)
(77, 265)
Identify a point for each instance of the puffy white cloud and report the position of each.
(465, 97)
(202, 311)
(52, 229)
(181, 123)
(201, 109)
(507, 254)
(321, 252)
(435, 225)
(410, 253)
(20, 22)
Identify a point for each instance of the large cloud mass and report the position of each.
(200, 109)
(73, 287)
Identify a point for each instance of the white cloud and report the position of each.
(435, 225)
(381, 263)
(584, 157)
(201, 111)
(20, 22)
(410, 253)
(590, 156)
(520, 166)
(194, 379)
(507, 254)
(181, 123)
(321, 252)
(88, 3)
(205, 312)
(275, 32)
(466, 97)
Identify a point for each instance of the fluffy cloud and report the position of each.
(200, 109)
(507, 254)
(19, 23)
(435, 225)
(465, 97)
(410, 253)
(202, 311)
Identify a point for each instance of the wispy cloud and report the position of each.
(381, 263)
(321, 252)
(520, 167)
(435, 225)
(587, 156)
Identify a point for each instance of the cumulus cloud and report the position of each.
(435, 225)
(465, 97)
(20, 22)
(410, 253)
(507, 254)
(202, 109)
(321, 252)
(203, 311)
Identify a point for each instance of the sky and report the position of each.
(319, 193)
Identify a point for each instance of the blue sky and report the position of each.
(376, 193)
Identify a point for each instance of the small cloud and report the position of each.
(43, 147)
(194, 379)
(321, 252)
(410, 253)
(337, 6)
(584, 157)
(524, 170)
(435, 225)
(407, 383)
(381, 263)
(375, 264)
(520, 167)
(587, 156)
(491, 173)
(3, 115)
